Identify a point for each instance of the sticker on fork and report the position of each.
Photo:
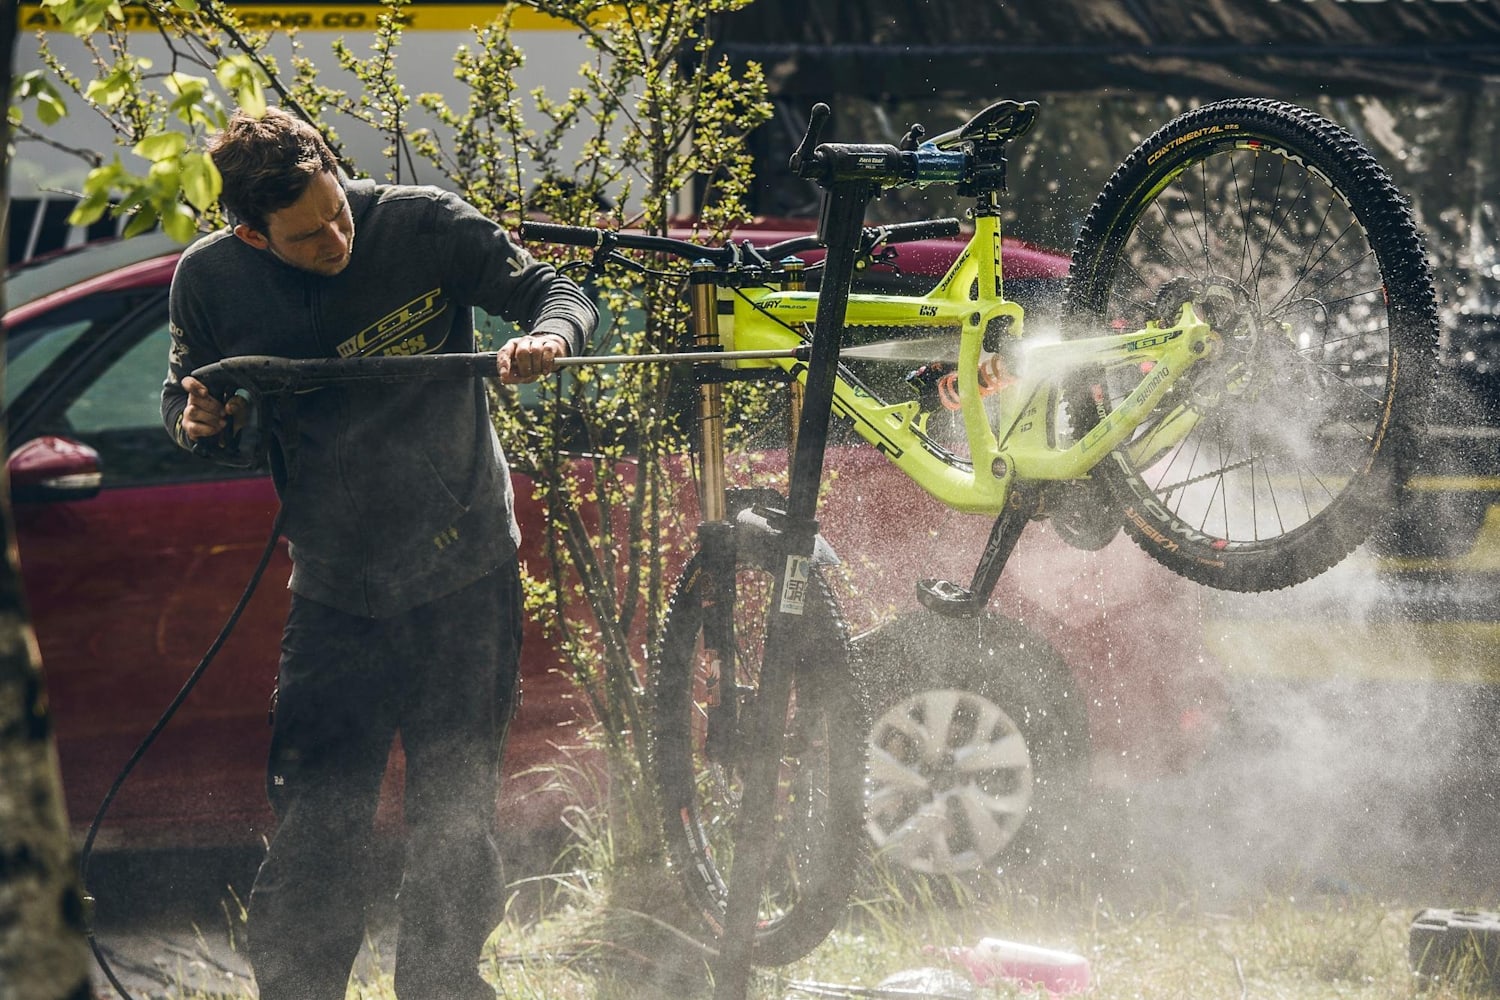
(794, 584)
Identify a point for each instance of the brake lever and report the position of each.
(607, 256)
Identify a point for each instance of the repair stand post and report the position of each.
(785, 650)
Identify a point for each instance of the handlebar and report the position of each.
(732, 252)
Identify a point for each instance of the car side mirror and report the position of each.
(49, 468)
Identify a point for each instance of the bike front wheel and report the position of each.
(1271, 461)
(701, 748)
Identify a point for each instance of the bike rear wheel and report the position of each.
(699, 771)
(1269, 463)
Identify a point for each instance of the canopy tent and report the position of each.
(1417, 81)
(894, 49)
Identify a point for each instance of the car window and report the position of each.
(37, 346)
(31, 356)
(55, 272)
(127, 395)
(92, 372)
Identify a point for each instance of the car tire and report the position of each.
(978, 744)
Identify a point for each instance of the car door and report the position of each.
(128, 587)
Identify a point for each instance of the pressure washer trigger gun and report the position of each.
(237, 444)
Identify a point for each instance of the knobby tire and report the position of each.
(1295, 246)
(820, 797)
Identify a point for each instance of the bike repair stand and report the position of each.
(786, 650)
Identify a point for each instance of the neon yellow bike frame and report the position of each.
(1021, 444)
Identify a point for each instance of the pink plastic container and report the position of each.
(1025, 964)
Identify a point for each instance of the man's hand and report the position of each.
(528, 358)
(206, 416)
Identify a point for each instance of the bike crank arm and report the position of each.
(954, 601)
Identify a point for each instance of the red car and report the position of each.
(133, 552)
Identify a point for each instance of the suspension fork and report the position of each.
(716, 549)
(795, 281)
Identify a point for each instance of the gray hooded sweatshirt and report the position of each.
(394, 494)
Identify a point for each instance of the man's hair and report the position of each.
(267, 163)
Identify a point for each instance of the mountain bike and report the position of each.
(1237, 379)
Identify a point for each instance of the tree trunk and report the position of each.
(43, 948)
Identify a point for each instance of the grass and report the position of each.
(1155, 941)
(1153, 924)
(1167, 947)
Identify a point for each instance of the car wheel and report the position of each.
(977, 745)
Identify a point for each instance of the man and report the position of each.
(406, 605)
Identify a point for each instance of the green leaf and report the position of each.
(113, 87)
(186, 85)
(165, 177)
(141, 222)
(201, 182)
(240, 75)
(82, 17)
(252, 98)
(99, 92)
(49, 108)
(104, 174)
(25, 85)
(179, 222)
(162, 146)
(90, 209)
(98, 187)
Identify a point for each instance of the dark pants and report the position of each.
(445, 676)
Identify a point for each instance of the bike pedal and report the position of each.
(947, 598)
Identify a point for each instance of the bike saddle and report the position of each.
(997, 124)
(1001, 121)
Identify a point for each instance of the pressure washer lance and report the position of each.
(699, 357)
(268, 374)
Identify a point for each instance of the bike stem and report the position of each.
(785, 651)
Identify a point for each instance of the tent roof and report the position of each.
(901, 48)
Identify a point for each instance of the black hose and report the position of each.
(161, 723)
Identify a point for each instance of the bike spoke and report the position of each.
(1307, 327)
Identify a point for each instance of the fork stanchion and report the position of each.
(785, 650)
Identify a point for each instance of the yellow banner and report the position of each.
(337, 17)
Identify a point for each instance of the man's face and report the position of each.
(315, 233)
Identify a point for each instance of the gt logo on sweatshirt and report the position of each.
(388, 334)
